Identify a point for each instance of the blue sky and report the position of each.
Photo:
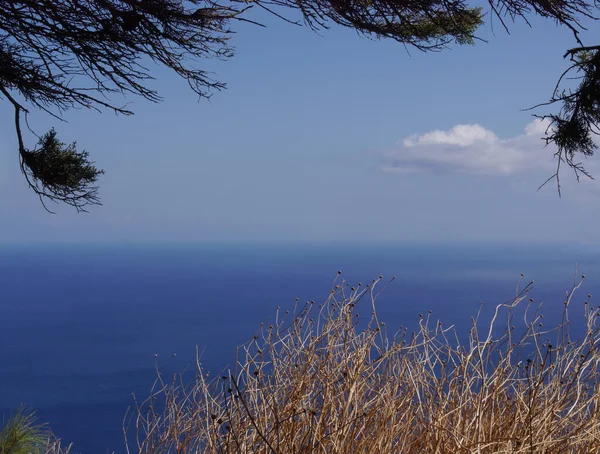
(325, 137)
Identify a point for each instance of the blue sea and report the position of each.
(80, 324)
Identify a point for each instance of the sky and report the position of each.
(325, 136)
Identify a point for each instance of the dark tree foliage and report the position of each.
(60, 55)
(573, 128)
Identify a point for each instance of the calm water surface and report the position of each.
(80, 325)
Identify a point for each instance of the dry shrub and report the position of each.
(56, 446)
(320, 380)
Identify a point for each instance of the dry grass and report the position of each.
(55, 446)
(318, 380)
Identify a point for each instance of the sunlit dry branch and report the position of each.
(323, 378)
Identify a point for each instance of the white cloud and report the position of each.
(473, 149)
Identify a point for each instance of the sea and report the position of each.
(84, 326)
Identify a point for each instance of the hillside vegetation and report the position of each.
(324, 379)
